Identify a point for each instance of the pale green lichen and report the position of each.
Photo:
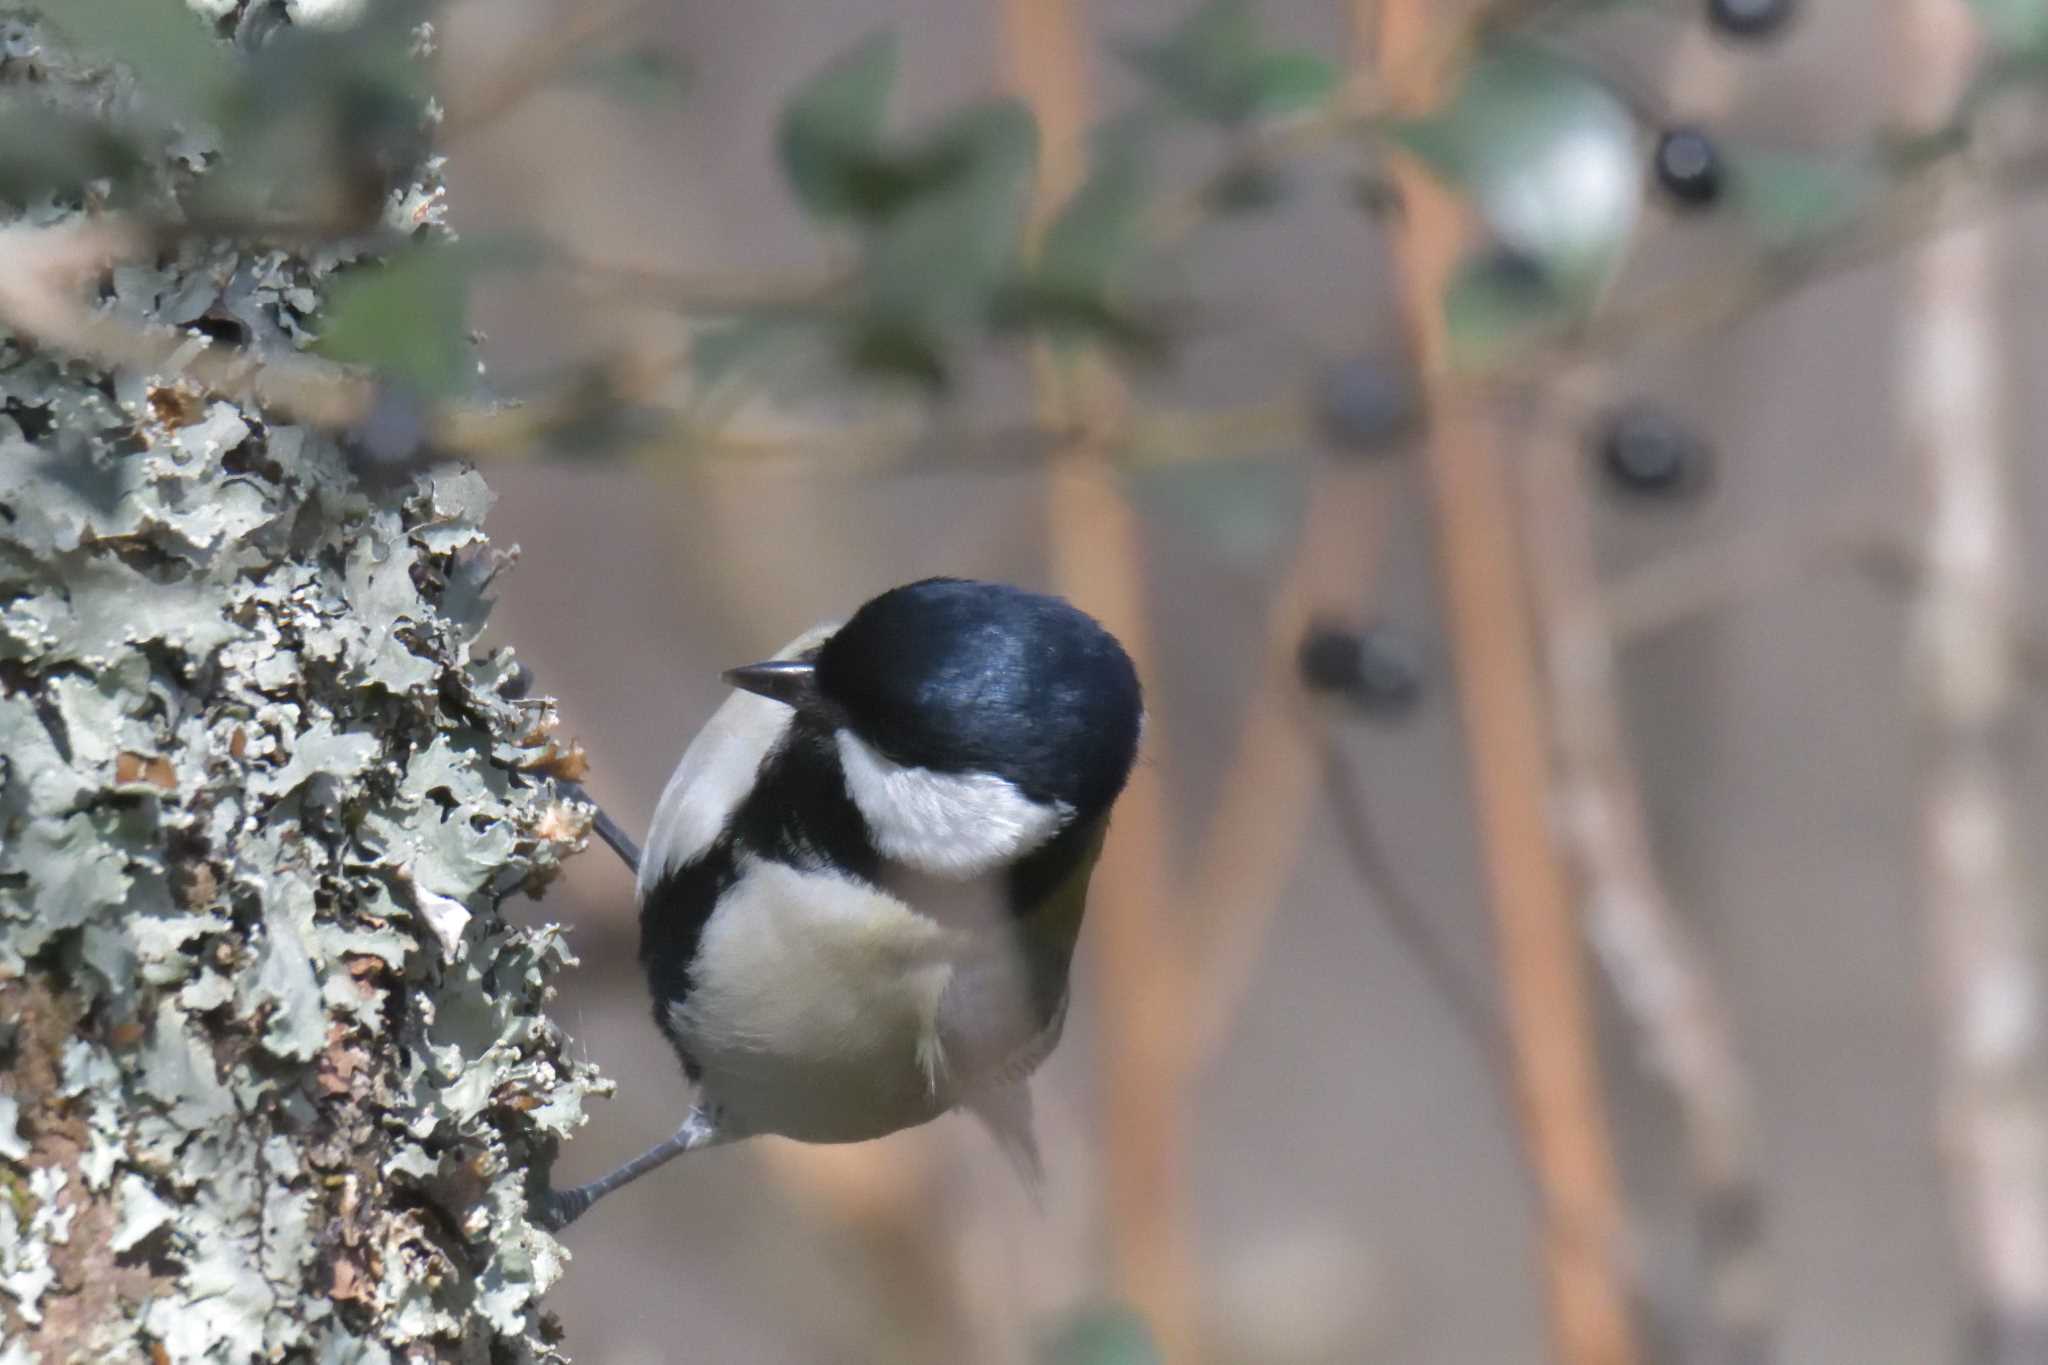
(282, 1073)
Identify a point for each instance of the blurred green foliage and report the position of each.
(1551, 157)
(1215, 65)
(1108, 1335)
(2014, 26)
(408, 317)
(311, 131)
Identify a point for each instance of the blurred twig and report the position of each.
(1694, 580)
(1253, 838)
(726, 294)
(1549, 1021)
(1471, 1009)
(37, 303)
(43, 269)
(1658, 973)
(1923, 204)
(1981, 913)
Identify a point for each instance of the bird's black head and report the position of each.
(964, 677)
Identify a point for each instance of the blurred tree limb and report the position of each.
(1931, 197)
(1096, 560)
(1983, 917)
(1659, 973)
(1546, 1013)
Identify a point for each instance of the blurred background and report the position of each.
(1283, 1125)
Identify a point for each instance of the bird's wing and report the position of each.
(716, 773)
(1048, 930)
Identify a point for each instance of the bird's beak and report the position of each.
(793, 682)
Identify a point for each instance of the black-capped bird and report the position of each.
(863, 884)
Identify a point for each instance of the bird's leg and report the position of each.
(559, 1208)
(620, 842)
(607, 828)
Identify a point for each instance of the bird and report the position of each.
(863, 884)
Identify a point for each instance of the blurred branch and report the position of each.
(1471, 1009)
(725, 294)
(1923, 204)
(1659, 974)
(1372, 95)
(1252, 841)
(1698, 580)
(1148, 987)
(1717, 296)
(1695, 580)
(1547, 1011)
(1982, 916)
(42, 270)
(1928, 200)
(539, 60)
(1097, 560)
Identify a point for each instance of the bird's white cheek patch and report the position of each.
(948, 824)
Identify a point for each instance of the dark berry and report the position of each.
(1647, 453)
(1378, 669)
(1377, 196)
(1248, 185)
(1749, 18)
(1367, 405)
(1689, 167)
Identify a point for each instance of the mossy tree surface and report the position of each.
(275, 1068)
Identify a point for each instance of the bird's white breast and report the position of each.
(814, 1009)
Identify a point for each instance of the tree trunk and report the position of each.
(275, 1072)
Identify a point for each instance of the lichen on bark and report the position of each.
(275, 1066)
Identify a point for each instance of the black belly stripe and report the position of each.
(809, 822)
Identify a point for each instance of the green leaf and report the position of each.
(47, 150)
(1110, 1335)
(1214, 66)
(1096, 231)
(1288, 82)
(644, 74)
(830, 135)
(1068, 315)
(2018, 27)
(1790, 197)
(1199, 64)
(1072, 288)
(1497, 304)
(167, 46)
(1548, 153)
(1246, 510)
(406, 317)
(933, 269)
(719, 352)
(323, 123)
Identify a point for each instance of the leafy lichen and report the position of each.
(279, 1068)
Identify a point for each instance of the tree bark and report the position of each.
(275, 1068)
